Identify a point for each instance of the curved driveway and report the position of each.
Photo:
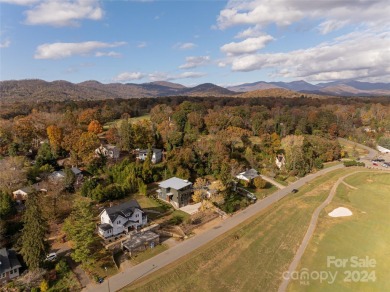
(161, 260)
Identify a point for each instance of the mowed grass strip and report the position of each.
(365, 233)
(255, 261)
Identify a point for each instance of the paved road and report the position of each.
(309, 233)
(272, 181)
(132, 274)
(372, 153)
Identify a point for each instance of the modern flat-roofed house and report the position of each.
(109, 151)
(176, 191)
(248, 175)
(121, 218)
(156, 155)
(9, 265)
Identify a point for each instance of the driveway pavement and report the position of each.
(272, 181)
(145, 268)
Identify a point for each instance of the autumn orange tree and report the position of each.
(54, 134)
(86, 146)
(95, 127)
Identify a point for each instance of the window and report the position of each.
(11, 272)
(136, 215)
(118, 222)
(15, 271)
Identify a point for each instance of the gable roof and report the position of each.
(125, 209)
(145, 151)
(75, 170)
(8, 260)
(250, 173)
(174, 183)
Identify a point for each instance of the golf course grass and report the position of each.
(365, 235)
(252, 256)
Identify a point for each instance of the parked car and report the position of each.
(385, 165)
(294, 191)
(375, 164)
(51, 257)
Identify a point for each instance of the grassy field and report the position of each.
(330, 164)
(108, 125)
(255, 261)
(353, 150)
(365, 233)
(149, 253)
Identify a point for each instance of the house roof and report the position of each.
(8, 260)
(250, 173)
(57, 174)
(125, 209)
(75, 170)
(139, 239)
(105, 226)
(174, 183)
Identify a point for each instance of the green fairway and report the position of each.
(252, 256)
(364, 234)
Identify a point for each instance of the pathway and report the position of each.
(311, 229)
(272, 181)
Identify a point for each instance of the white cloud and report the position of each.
(141, 45)
(254, 31)
(285, 12)
(184, 46)
(358, 55)
(195, 61)
(64, 12)
(129, 76)
(64, 50)
(108, 54)
(156, 76)
(20, 2)
(249, 45)
(5, 44)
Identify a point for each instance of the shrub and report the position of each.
(353, 163)
(176, 220)
(259, 183)
(62, 267)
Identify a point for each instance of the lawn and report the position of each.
(108, 125)
(365, 233)
(353, 150)
(250, 257)
(330, 164)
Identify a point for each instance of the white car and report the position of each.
(51, 257)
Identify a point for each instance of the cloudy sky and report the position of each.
(192, 42)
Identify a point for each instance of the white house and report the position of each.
(248, 175)
(109, 151)
(22, 194)
(9, 265)
(280, 161)
(156, 155)
(121, 218)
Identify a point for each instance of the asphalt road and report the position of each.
(145, 268)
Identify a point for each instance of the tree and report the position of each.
(259, 182)
(45, 156)
(200, 190)
(80, 228)
(86, 146)
(6, 205)
(95, 127)
(70, 179)
(44, 286)
(3, 232)
(12, 173)
(54, 134)
(32, 240)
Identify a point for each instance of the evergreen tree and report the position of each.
(6, 205)
(3, 231)
(80, 228)
(32, 241)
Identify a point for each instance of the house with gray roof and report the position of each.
(121, 219)
(9, 265)
(175, 191)
(108, 150)
(143, 153)
(248, 175)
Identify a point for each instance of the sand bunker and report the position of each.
(340, 212)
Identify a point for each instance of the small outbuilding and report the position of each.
(140, 242)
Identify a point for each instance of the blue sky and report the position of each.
(192, 42)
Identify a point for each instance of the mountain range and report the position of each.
(337, 88)
(35, 89)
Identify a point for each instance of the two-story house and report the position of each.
(176, 191)
(109, 151)
(156, 154)
(121, 218)
(9, 265)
